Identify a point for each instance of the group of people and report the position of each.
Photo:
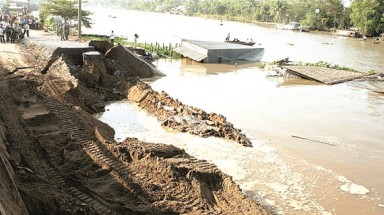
(62, 30)
(228, 39)
(10, 33)
(13, 28)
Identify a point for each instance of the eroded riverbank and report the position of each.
(66, 162)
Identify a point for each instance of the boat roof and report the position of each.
(218, 45)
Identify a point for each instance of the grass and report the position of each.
(328, 65)
(319, 64)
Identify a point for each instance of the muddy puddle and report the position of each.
(317, 149)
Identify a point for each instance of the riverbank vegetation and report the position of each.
(366, 15)
(160, 50)
(317, 64)
(328, 65)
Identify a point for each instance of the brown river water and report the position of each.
(337, 169)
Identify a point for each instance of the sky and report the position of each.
(347, 3)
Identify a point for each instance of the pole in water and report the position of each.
(303, 138)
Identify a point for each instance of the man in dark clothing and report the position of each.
(13, 35)
(8, 33)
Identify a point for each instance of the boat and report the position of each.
(376, 40)
(348, 33)
(240, 42)
(290, 26)
(304, 29)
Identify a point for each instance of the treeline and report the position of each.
(366, 15)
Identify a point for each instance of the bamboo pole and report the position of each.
(303, 138)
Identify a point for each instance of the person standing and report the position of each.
(8, 33)
(27, 29)
(66, 31)
(16, 32)
(13, 35)
(58, 29)
(62, 32)
(112, 37)
(228, 37)
(2, 34)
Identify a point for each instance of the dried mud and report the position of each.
(56, 158)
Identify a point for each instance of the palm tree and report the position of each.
(279, 9)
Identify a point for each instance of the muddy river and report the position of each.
(317, 149)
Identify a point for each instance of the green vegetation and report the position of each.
(318, 64)
(66, 9)
(367, 15)
(160, 50)
(328, 65)
(261, 65)
(50, 24)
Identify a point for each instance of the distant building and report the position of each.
(18, 7)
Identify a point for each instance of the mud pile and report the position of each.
(174, 114)
(62, 160)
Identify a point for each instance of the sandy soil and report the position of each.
(57, 159)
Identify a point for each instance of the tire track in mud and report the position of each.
(19, 136)
(98, 152)
(68, 124)
(137, 176)
(131, 177)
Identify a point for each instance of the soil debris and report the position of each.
(174, 114)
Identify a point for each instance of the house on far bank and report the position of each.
(289, 26)
(217, 52)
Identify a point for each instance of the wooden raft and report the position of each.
(324, 75)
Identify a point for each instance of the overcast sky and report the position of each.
(347, 3)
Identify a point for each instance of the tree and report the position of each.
(279, 10)
(367, 16)
(66, 9)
